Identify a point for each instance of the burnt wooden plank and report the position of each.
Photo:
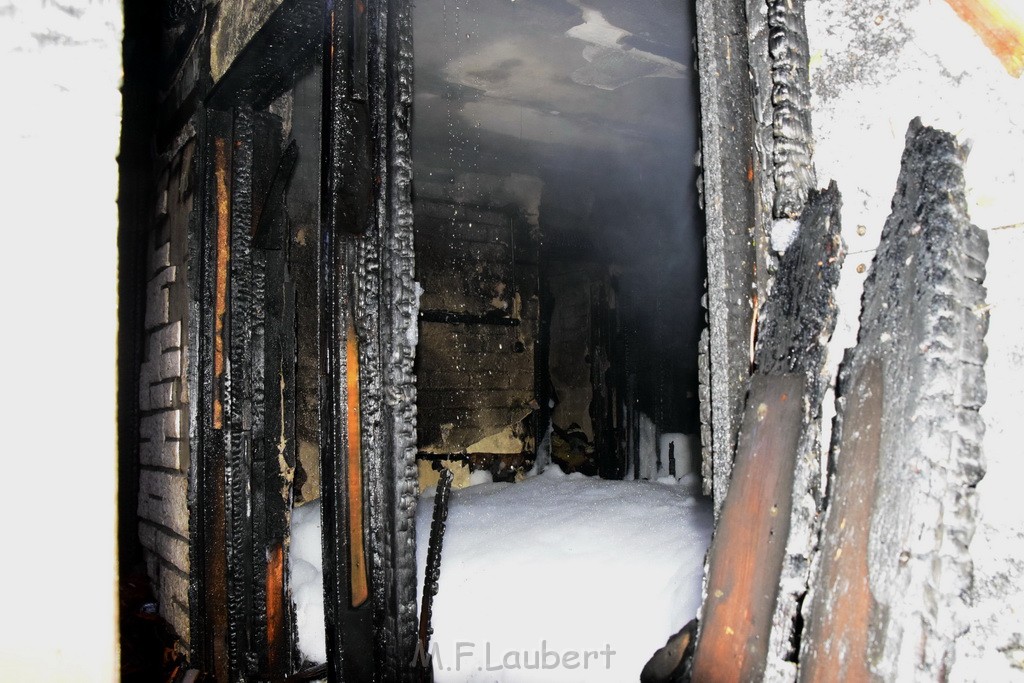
(746, 555)
(238, 410)
(838, 624)
(796, 324)
(332, 407)
(208, 526)
(266, 146)
(923, 321)
(284, 47)
(729, 174)
(337, 221)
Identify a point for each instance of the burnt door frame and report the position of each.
(368, 320)
(240, 609)
(366, 295)
(752, 69)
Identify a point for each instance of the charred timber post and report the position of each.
(772, 498)
(840, 630)
(728, 174)
(337, 134)
(239, 406)
(889, 587)
(750, 543)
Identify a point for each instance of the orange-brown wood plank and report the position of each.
(359, 583)
(276, 610)
(1000, 24)
(836, 635)
(222, 175)
(749, 545)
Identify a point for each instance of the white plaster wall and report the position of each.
(874, 66)
(60, 70)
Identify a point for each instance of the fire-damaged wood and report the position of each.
(335, 298)
(838, 625)
(274, 397)
(248, 455)
(479, 324)
(432, 574)
(796, 324)
(366, 272)
(728, 175)
(239, 404)
(894, 553)
(210, 249)
(284, 47)
(750, 611)
(750, 541)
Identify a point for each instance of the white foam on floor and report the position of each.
(556, 578)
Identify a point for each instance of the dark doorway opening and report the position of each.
(558, 235)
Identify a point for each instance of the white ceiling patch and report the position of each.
(610, 63)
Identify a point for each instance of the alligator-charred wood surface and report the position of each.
(796, 324)
(923, 322)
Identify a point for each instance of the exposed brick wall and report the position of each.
(163, 397)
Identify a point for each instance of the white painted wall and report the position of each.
(60, 70)
(875, 65)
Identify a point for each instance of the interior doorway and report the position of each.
(559, 240)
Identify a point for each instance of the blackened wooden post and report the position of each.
(210, 521)
(333, 499)
(238, 411)
(273, 372)
(367, 310)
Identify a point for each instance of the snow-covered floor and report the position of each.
(556, 578)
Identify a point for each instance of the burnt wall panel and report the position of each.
(479, 323)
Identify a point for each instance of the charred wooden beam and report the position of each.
(914, 382)
(729, 174)
(238, 410)
(284, 47)
(838, 624)
(273, 370)
(796, 324)
(344, 133)
(209, 245)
